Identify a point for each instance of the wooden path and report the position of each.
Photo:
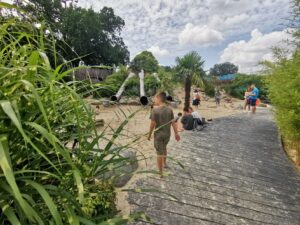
(236, 173)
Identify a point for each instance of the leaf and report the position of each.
(7, 108)
(72, 218)
(9, 212)
(48, 200)
(79, 185)
(10, 178)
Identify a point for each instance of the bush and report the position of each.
(111, 85)
(284, 88)
(209, 88)
(151, 85)
(132, 87)
(239, 85)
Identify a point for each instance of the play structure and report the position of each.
(143, 98)
(118, 95)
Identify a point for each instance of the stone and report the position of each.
(106, 103)
(125, 169)
(174, 105)
(239, 107)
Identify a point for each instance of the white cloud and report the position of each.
(223, 23)
(160, 22)
(202, 35)
(247, 54)
(158, 52)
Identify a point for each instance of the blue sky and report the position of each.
(240, 31)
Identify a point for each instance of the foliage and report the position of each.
(223, 69)
(42, 181)
(209, 88)
(151, 85)
(189, 66)
(146, 61)
(133, 87)
(284, 83)
(239, 85)
(167, 81)
(111, 85)
(95, 36)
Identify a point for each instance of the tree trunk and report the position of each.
(188, 85)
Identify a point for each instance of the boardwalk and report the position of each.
(238, 174)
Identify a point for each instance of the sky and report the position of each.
(239, 31)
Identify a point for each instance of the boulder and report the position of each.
(127, 169)
(106, 103)
(124, 170)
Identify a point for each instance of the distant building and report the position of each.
(95, 75)
(227, 77)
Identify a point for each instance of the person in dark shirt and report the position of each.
(187, 120)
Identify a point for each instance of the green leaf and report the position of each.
(48, 200)
(72, 217)
(9, 213)
(10, 178)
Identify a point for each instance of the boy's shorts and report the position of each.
(252, 102)
(160, 144)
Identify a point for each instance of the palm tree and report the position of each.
(189, 68)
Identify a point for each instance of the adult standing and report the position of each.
(217, 96)
(253, 97)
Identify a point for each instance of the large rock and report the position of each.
(124, 170)
(127, 169)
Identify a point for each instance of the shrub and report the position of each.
(133, 87)
(284, 83)
(151, 85)
(167, 82)
(209, 88)
(111, 85)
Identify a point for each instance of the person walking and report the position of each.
(162, 117)
(253, 97)
(217, 97)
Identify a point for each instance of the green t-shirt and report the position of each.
(163, 117)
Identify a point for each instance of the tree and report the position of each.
(223, 69)
(94, 36)
(187, 67)
(146, 61)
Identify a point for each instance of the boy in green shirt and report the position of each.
(162, 117)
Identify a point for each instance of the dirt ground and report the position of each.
(138, 126)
